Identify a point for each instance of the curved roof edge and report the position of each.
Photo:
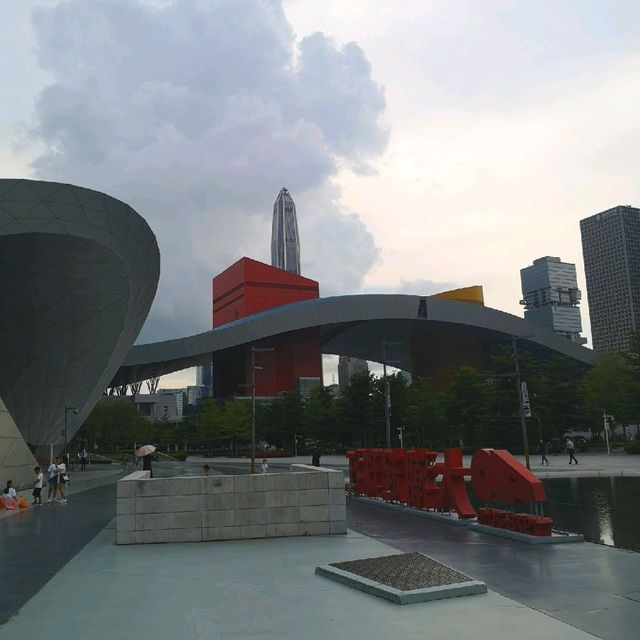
(159, 358)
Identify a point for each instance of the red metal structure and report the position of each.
(415, 477)
(248, 287)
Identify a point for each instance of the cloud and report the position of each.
(418, 287)
(197, 113)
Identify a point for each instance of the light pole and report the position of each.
(66, 413)
(523, 421)
(254, 368)
(295, 444)
(387, 389)
(605, 417)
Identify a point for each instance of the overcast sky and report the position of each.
(426, 144)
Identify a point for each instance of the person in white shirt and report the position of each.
(53, 482)
(37, 486)
(9, 491)
(62, 479)
(264, 467)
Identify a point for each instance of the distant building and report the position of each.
(611, 252)
(249, 287)
(305, 385)
(347, 366)
(334, 389)
(285, 241)
(204, 378)
(164, 406)
(550, 296)
(195, 393)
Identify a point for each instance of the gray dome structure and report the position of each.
(78, 273)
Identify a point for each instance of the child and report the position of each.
(264, 467)
(9, 491)
(206, 469)
(37, 486)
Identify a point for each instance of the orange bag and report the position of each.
(22, 503)
(1, 503)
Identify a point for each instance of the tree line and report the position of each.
(472, 409)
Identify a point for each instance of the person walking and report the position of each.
(63, 478)
(264, 467)
(52, 482)
(571, 448)
(542, 450)
(205, 469)
(83, 460)
(37, 486)
(146, 464)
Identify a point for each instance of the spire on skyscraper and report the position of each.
(285, 243)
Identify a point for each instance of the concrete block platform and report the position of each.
(557, 537)
(308, 501)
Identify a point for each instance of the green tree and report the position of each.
(424, 415)
(319, 419)
(235, 422)
(398, 395)
(114, 423)
(467, 403)
(209, 425)
(557, 402)
(610, 386)
(354, 411)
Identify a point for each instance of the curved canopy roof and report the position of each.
(356, 325)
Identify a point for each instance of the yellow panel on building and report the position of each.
(472, 294)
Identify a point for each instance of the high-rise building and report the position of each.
(294, 361)
(204, 378)
(550, 296)
(348, 366)
(611, 252)
(285, 242)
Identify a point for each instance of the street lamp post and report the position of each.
(295, 444)
(523, 421)
(387, 389)
(254, 368)
(66, 413)
(605, 417)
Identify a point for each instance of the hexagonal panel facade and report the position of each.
(78, 273)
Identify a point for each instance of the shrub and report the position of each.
(632, 447)
(178, 455)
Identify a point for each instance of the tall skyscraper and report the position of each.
(204, 378)
(550, 296)
(611, 252)
(347, 366)
(285, 242)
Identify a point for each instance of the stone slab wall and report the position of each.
(306, 501)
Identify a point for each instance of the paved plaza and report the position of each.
(590, 464)
(251, 589)
(63, 571)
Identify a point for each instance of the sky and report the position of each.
(427, 144)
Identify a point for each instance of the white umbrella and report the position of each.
(145, 450)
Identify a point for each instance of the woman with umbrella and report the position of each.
(146, 453)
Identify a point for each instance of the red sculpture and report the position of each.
(414, 477)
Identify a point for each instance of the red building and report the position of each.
(248, 287)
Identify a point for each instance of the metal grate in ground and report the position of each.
(405, 571)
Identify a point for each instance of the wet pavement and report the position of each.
(592, 587)
(37, 543)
